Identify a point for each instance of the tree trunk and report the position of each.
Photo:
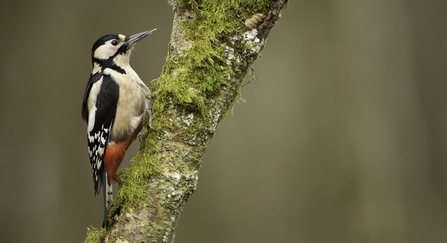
(212, 46)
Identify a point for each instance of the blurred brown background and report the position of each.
(343, 137)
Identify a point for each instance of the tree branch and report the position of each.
(212, 46)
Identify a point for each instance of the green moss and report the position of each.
(134, 190)
(94, 235)
(200, 72)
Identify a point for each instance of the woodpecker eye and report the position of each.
(115, 42)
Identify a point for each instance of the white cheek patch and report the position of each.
(104, 52)
(107, 50)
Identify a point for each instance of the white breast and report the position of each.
(132, 103)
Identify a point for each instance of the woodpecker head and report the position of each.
(115, 49)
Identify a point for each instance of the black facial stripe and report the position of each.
(109, 64)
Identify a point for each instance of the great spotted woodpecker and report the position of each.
(114, 104)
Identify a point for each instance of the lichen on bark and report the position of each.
(210, 52)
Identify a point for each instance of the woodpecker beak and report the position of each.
(133, 39)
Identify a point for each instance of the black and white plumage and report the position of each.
(114, 104)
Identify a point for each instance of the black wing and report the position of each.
(104, 91)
